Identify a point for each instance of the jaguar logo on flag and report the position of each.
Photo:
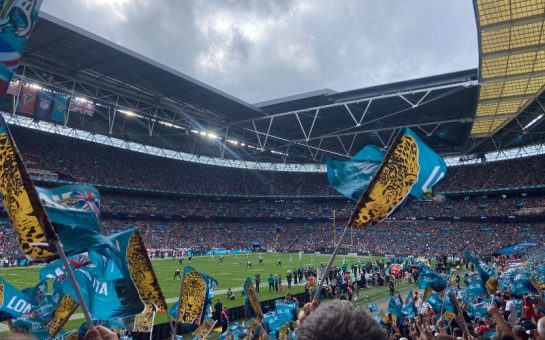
(61, 107)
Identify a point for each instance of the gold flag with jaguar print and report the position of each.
(380, 181)
(252, 305)
(27, 215)
(195, 302)
(142, 273)
(143, 322)
(391, 184)
(66, 307)
(192, 299)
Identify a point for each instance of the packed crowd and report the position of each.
(305, 208)
(474, 207)
(82, 161)
(170, 206)
(88, 162)
(417, 238)
(502, 174)
(461, 309)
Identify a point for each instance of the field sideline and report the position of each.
(230, 274)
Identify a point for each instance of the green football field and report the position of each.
(229, 274)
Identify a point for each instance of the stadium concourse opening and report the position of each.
(184, 210)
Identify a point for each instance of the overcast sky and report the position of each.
(258, 50)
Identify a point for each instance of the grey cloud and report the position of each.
(263, 49)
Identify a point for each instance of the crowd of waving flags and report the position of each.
(447, 299)
(113, 273)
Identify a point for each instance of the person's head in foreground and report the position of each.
(339, 319)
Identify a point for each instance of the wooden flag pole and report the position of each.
(72, 278)
(330, 263)
(210, 330)
(334, 230)
(351, 236)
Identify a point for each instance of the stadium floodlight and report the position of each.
(82, 99)
(126, 112)
(202, 133)
(170, 125)
(212, 135)
(194, 131)
(35, 86)
(533, 122)
(242, 144)
(232, 141)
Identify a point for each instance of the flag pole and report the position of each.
(446, 296)
(328, 268)
(210, 330)
(72, 278)
(351, 236)
(334, 229)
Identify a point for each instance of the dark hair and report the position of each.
(457, 332)
(520, 332)
(338, 319)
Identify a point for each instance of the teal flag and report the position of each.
(475, 286)
(275, 320)
(107, 289)
(432, 167)
(429, 278)
(46, 303)
(409, 308)
(60, 105)
(76, 240)
(520, 283)
(394, 306)
(435, 302)
(449, 305)
(13, 302)
(483, 269)
(74, 210)
(38, 330)
(479, 310)
(235, 331)
(351, 178)
(35, 328)
(17, 20)
(72, 205)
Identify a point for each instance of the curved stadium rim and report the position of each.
(526, 151)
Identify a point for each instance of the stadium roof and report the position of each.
(67, 49)
(142, 101)
(512, 71)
